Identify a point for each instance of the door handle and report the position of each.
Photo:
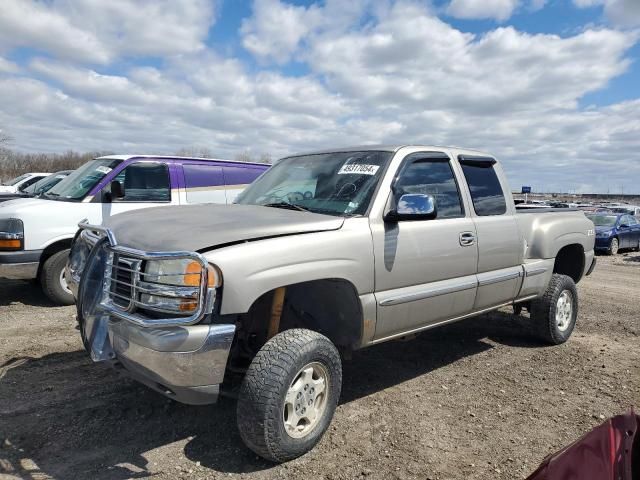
(467, 239)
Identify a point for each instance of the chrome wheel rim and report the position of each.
(564, 310)
(306, 400)
(614, 246)
(63, 283)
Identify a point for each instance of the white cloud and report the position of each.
(499, 9)
(7, 66)
(99, 32)
(624, 13)
(275, 30)
(379, 73)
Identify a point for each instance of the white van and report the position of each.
(36, 233)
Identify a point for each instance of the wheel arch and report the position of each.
(52, 249)
(330, 306)
(570, 261)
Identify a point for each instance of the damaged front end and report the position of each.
(150, 312)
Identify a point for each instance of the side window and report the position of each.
(204, 183)
(486, 192)
(145, 182)
(432, 177)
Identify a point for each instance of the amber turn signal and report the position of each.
(192, 274)
(11, 244)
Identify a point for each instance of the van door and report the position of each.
(204, 183)
(500, 247)
(237, 178)
(424, 269)
(144, 184)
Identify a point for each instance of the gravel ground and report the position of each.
(474, 400)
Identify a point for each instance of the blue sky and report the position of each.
(550, 87)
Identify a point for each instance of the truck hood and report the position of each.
(203, 227)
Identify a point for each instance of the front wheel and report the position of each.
(614, 247)
(554, 314)
(289, 394)
(53, 280)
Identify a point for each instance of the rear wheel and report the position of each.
(53, 281)
(554, 314)
(614, 246)
(289, 394)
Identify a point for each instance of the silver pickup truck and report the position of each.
(325, 253)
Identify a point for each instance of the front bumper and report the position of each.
(186, 363)
(603, 243)
(21, 265)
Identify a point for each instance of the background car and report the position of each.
(18, 184)
(38, 188)
(615, 232)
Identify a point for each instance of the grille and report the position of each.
(123, 271)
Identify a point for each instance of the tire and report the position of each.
(51, 279)
(278, 374)
(614, 246)
(553, 321)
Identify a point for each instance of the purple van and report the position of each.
(96, 191)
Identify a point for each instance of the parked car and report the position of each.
(18, 184)
(326, 252)
(615, 232)
(629, 209)
(38, 188)
(36, 233)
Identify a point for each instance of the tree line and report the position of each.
(14, 163)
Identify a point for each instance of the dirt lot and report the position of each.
(474, 400)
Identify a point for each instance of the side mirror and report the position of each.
(117, 190)
(413, 206)
(624, 225)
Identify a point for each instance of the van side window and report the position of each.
(204, 183)
(486, 192)
(145, 182)
(432, 176)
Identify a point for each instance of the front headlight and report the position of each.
(11, 234)
(604, 234)
(175, 285)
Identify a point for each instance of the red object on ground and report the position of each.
(610, 451)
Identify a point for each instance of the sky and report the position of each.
(551, 87)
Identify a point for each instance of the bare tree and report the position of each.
(244, 156)
(265, 158)
(195, 151)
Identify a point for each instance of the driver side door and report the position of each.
(425, 270)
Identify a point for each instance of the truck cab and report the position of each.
(36, 233)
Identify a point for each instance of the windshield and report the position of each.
(82, 180)
(43, 185)
(340, 183)
(16, 180)
(603, 220)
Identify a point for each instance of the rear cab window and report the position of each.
(484, 185)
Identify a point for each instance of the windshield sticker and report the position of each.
(358, 169)
(60, 176)
(103, 169)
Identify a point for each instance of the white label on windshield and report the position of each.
(358, 169)
(103, 169)
(60, 176)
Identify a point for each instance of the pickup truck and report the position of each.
(325, 253)
(36, 233)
